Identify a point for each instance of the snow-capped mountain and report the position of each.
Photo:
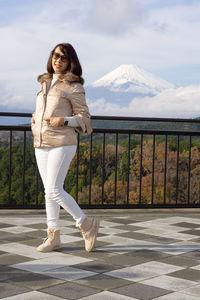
(132, 78)
(125, 83)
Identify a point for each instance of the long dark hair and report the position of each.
(74, 65)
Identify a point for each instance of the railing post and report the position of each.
(128, 173)
(10, 168)
(141, 155)
(103, 169)
(77, 166)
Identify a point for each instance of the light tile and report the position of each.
(180, 236)
(68, 273)
(157, 268)
(194, 290)
(25, 250)
(108, 224)
(177, 296)
(169, 283)
(107, 296)
(67, 230)
(69, 238)
(50, 263)
(195, 267)
(18, 229)
(23, 221)
(111, 231)
(130, 246)
(113, 239)
(65, 223)
(154, 231)
(32, 295)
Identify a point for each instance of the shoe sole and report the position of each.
(54, 248)
(96, 232)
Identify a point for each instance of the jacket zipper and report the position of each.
(45, 103)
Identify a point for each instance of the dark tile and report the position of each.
(37, 226)
(79, 234)
(11, 259)
(96, 266)
(75, 234)
(149, 254)
(193, 254)
(186, 225)
(95, 254)
(8, 272)
(127, 259)
(70, 291)
(8, 290)
(36, 234)
(196, 240)
(35, 281)
(128, 227)
(136, 235)
(141, 291)
(180, 261)
(3, 241)
(4, 234)
(162, 240)
(4, 225)
(122, 220)
(193, 232)
(70, 248)
(16, 238)
(103, 282)
(188, 274)
(33, 242)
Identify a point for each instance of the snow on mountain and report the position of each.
(125, 83)
(131, 78)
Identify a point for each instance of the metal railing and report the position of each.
(142, 135)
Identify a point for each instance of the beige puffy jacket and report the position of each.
(65, 98)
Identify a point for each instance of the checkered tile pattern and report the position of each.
(139, 255)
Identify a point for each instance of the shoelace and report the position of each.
(45, 239)
(84, 234)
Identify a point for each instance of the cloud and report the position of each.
(105, 34)
(177, 103)
(115, 16)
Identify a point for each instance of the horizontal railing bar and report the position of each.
(145, 119)
(108, 206)
(14, 114)
(151, 119)
(122, 131)
(15, 128)
(146, 131)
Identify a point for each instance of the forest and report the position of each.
(108, 170)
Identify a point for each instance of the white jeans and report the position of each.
(53, 164)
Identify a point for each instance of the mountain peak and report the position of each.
(132, 77)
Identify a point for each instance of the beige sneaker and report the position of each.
(89, 229)
(52, 241)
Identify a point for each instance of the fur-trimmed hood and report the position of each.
(67, 77)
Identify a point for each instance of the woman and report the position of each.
(60, 110)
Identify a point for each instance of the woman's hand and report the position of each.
(55, 121)
(32, 120)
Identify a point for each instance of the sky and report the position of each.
(161, 36)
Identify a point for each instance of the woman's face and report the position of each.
(59, 61)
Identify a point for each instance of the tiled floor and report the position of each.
(139, 254)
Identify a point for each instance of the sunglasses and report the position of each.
(63, 58)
